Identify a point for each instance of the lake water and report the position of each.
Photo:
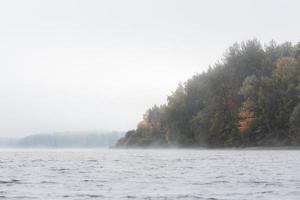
(150, 174)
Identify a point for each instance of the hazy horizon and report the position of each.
(91, 65)
(66, 132)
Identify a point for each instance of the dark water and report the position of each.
(150, 174)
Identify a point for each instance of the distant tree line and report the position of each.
(249, 98)
(88, 139)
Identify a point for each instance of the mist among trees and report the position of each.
(249, 98)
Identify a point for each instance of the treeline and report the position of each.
(249, 98)
(91, 139)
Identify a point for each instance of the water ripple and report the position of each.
(150, 174)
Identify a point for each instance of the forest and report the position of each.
(251, 97)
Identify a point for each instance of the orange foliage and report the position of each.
(143, 125)
(246, 119)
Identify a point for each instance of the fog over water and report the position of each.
(90, 65)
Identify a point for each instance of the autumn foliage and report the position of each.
(249, 98)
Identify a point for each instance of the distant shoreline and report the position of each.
(259, 148)
(70, 140)
(213, 148)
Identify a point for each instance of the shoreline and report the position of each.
(213, 148)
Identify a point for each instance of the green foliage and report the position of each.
(295, 125)
(250, 98)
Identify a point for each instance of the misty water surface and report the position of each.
(149, 174)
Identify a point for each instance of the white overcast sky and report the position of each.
(89, 65)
